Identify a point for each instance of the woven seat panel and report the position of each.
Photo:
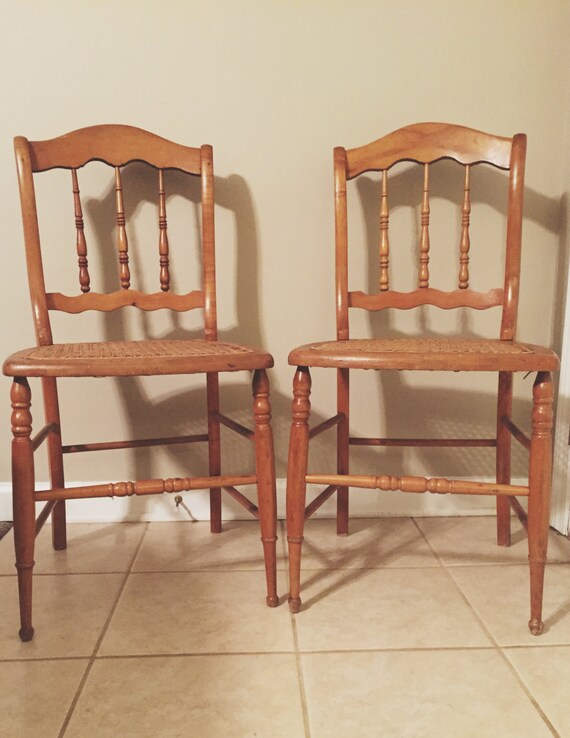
(427, 346)
(136, 350)
(125, 358)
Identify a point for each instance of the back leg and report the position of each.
(55, 457)
(214, 450)
(503, 456)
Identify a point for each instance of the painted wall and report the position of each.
(273, 86)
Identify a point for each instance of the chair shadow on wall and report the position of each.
(180, 412)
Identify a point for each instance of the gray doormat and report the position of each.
(4, 528)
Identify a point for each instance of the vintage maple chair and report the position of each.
(425, 144)
(117, 145)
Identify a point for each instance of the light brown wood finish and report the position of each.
(426, 143)
(116, 146)
(81, 243)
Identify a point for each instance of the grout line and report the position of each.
(219, 570)
(529, 694)
(87, 671)
(301, 677)
(499, 650)
(317, 652)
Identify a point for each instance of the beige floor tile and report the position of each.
(197, 613)
(501, 597)
(191, 547)
(36, 695)
(371, 544)
(384, 608)
(473, 541)
(69, 614)
(444, 694)
(91, 548)
(546, 673)
(202, 696)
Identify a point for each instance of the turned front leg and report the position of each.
(540, 472)
(266, 493)
(296, 485)
(23, 500)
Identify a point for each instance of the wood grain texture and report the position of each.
(115, 145)
(427, 296)
(446, 354)
(429, 142)
(107, 302)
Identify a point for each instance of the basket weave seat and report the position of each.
(148, 357)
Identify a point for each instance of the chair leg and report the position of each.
(503, 457)
(342, 450)
(214, 450)
(296, 484)
(23, 500)
(265, 470)
(55, 457)
(540, 472)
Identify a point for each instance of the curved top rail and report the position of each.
(429, 142)
(115, 145)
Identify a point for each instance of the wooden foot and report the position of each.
(26, 634)
(294, 604)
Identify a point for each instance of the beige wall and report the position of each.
(273, 86)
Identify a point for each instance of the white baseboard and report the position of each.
(363, 503)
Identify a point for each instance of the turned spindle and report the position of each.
(465, 241)
(123, 243)
(384, 243)
(424, 235)
(80, 241)
(163, 235)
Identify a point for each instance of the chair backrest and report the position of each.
(115, 145)
(426, 143)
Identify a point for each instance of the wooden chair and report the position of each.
(425, 144)
(116, 146)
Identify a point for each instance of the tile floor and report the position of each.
(409, 628)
